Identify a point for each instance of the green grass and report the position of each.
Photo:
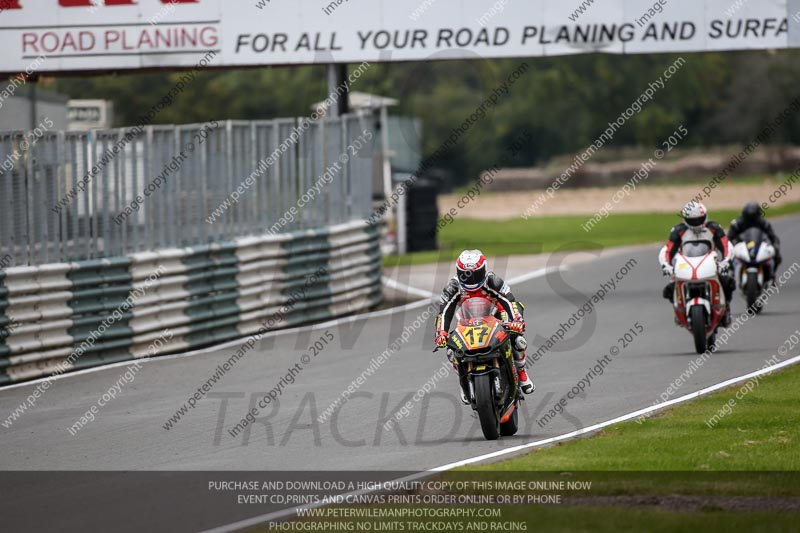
(752, 451)
(761, 433)
(555, 233)
(671, 473)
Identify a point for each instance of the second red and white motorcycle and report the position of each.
(699, 301)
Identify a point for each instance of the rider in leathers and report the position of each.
(696, 227)
(753, 217)
(473, 279)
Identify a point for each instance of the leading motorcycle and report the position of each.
(755, 256)
(480, 345)
(699, 301)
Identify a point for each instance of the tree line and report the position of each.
(561, 103)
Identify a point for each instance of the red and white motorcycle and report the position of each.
(698, 301)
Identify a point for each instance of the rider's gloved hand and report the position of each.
(723, 267)
(667, 270)
(441, 338)
(517, 326)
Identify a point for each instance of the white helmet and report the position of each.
(471, 269)
(695, 215)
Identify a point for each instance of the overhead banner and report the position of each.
(98, 35)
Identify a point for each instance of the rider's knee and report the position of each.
(520, 343)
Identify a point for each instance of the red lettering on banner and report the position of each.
(75, 3)
(15, 4)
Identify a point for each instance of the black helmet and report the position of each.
(751, 211)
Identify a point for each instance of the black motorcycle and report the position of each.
(481, 346)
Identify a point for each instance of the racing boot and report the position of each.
(726, 320)
(520, 357)
(525, 383)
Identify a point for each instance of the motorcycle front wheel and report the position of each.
(485, 404)
(751, 293)
(698, 318)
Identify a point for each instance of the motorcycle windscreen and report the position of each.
(695, 248)
(752, 237)
(476, 307)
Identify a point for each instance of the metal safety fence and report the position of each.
(62, 317)
(74, 196)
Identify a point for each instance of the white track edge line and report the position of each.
(408, 289)
(256, 520)
(622, 418)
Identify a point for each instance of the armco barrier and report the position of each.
(59, 317)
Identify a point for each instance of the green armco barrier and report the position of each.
(67, 316)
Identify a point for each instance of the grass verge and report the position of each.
(555, 233)
(758, 430)
(676, 471)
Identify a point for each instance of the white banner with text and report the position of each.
(97, 35)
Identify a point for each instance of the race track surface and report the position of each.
(129, 433)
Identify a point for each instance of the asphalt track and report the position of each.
(128, 433)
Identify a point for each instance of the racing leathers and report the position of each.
(509, 309)
(712, 233)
